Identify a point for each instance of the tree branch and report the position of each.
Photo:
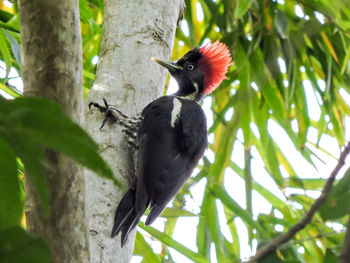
(280, 240)
(345, 252)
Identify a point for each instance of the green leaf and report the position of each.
(271, 258)
(10, 194)
(242, 7)
(167, 240)
(221, 194)
(6, 56)
(88, 74)
(17, 246)
(16, 49)
(143, 249)
(34, 159)
(338, 202)
(329, 256)
(12, 91)
(36, 123)
(173, 212)
(282, 24)
(45, 123)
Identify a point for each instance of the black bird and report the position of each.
(170, 135)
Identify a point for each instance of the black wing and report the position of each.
(167, 155)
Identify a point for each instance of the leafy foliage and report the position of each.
(28, 126)
(289, 82)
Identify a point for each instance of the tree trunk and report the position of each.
(133, 32)
(52, 68)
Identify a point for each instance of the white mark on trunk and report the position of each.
(175, 113)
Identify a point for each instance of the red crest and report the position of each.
(216, 59)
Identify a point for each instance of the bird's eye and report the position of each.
(190, 67)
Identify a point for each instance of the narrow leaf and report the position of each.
(174, 244)
(10, 194)
(17, 246)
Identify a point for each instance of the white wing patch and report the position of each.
(175, 113)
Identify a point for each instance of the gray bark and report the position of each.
(52, 68)
(133, 32)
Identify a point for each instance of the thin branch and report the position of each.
(345, 252)
(280, 240)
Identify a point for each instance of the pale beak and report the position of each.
(171, 66)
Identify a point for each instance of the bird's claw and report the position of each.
(105, 109)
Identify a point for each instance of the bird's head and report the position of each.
(200, 70)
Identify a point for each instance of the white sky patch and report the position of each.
(282, 64)
(217, 29)
(5, 95)
(255, 130)
(307, 17)
(312, 134)
(254, 86)
(184, 28)
(320, 17)
(172, 87)
(210, 155)
(347, 128)
(136, 259)
(302, 69)
(229, 114)
(206, 106)
(298, 11)
(260, 205)
(331, 144)
(336, 226)
(283, 171)
(13, 79)
(243, 238)
(197, 192)
(206, 41)
(277, 214)
(314, 110)
(345, 96)
(300, 165)
(235, 186)
(213, 254)
(294, 124)
(181, 43)
(94, 60)
(322, 84)
(313, 193)
(211, 138)
(223, 223)
(7, 3)
(301, 250)
(279, 228)
(239, 135)
(186, 225)
(319, 244)
(285, 83)
(261, 176)
(256, 157)
(200, 15)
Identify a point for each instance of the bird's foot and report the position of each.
(107, 110)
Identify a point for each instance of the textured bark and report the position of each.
(52, 68)
(133, 32)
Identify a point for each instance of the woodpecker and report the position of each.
(170, 135)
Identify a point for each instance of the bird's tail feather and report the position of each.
(124, 210)
(126, 217)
